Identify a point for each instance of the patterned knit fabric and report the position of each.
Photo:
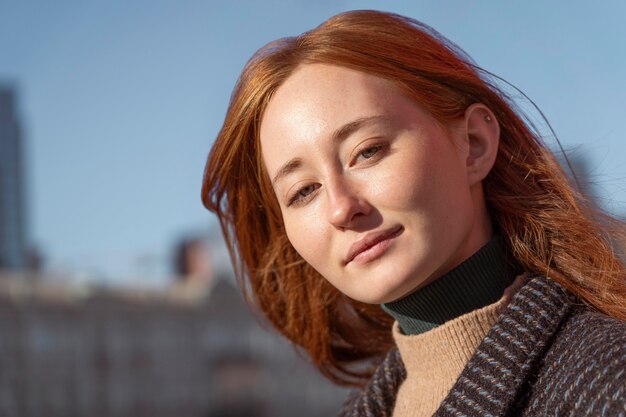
(379, 395)
(434, 360)
(545, 356)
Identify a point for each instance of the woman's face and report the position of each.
(374, 192)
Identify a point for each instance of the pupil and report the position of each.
(369, 152)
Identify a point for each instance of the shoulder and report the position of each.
(377, 398)
(584, 323)
(591, 339)
(583, 371)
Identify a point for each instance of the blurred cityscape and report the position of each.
(189, 348)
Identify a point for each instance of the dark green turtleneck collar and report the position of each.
(478, 281)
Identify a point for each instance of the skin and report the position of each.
(354, 160)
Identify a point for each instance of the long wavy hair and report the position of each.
(549, 228)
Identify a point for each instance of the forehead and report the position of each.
(316, 91)
(316, 100)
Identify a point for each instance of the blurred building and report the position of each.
(13, 249)
(129, 354)
(195, 349)
(193, 267)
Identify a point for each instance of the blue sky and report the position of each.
(121, 100)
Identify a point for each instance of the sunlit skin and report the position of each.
(375, 194)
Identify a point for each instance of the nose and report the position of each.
(345, 204)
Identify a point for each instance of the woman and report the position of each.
(380, 195)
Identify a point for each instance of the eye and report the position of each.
(369, 153)
(302, 195)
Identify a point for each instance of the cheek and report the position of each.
(306, 234)
(405, 184)
(423, 183)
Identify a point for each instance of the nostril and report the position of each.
(346, 210)
(345, 202)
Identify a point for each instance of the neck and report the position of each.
(478, 281)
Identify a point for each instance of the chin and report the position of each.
(370, 294)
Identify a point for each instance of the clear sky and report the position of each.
(121, 101)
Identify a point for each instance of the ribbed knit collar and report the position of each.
(478, 281)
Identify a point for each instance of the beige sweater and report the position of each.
(434, 360)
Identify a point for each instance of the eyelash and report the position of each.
(378, 147)
(297, 198)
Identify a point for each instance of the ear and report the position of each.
(483, 136)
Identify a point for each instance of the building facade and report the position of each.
(64, 352)
(13, 251)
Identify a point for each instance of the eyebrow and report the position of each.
(337, 136)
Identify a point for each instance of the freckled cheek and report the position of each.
(307, 235)
(404, 189)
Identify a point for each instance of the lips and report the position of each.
(371, 240)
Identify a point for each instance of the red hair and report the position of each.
(548, 227)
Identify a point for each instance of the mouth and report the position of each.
(372, 246)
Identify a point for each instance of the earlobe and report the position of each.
(483, 136)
